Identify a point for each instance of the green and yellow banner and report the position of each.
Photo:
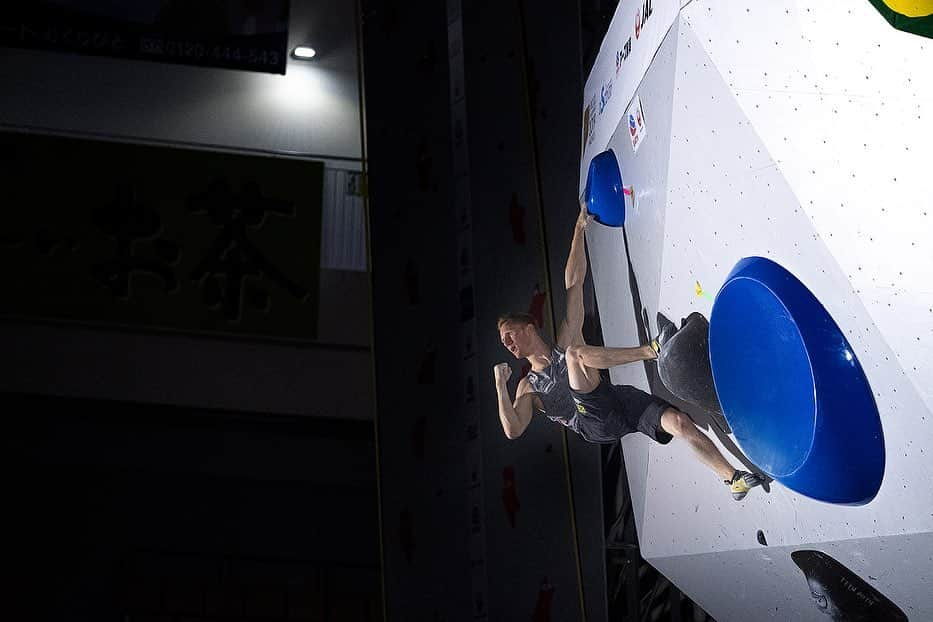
(914, 16)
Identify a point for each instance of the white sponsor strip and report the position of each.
(634, 35)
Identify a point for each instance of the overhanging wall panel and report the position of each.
(726, 211)
(750, 175)
(766, 584)
(842, 102)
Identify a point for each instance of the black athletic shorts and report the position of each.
(611, 411)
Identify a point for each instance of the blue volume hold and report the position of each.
(791, 387)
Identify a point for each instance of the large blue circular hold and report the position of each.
(603, 193)
(792, 389)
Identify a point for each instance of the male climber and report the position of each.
(565, 384)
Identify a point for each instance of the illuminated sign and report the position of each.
(235, 34)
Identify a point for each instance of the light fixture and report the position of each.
(303, 52)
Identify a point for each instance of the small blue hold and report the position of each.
(604, 193)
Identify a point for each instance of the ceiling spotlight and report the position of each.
(303, 52)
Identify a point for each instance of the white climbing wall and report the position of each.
(801, 132)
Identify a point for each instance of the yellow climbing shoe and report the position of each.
(742, 482)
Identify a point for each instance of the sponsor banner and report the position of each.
(236, 34)
(636, 32)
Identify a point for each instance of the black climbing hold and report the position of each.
(683, 363)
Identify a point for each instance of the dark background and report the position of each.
(212, 477)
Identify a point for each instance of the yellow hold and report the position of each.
(700, 292)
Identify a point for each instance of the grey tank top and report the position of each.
(552, 385)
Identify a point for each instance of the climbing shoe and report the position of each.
(742, 482)
(667, 331)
